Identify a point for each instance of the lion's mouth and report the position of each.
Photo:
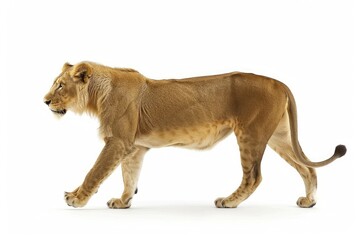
(60, 112)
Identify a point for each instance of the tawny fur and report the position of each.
(137, 113)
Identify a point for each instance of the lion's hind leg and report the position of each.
(251, 152)
(280, 142)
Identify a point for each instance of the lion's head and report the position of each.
(69, 90)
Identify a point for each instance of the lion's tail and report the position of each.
(301, 158)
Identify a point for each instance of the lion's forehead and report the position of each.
(61, 78)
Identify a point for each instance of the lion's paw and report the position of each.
(117, 203)
(305, 202)
(224, 203)
(72, 200)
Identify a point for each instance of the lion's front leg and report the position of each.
(109, 158)
(131, 167)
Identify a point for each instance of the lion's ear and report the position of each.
(66, 67)
(82, 72)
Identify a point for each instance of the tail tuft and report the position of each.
(340, 151)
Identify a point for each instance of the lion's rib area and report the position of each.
(196, 137)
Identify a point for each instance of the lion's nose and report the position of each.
(47, 102)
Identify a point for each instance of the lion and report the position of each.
(137, 113)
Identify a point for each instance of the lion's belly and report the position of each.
(199, 137)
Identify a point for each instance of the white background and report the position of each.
(309, 45)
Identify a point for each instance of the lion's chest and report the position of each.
(199, 137)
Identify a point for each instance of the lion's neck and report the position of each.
(98, 90)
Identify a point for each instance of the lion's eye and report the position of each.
(60, 87)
